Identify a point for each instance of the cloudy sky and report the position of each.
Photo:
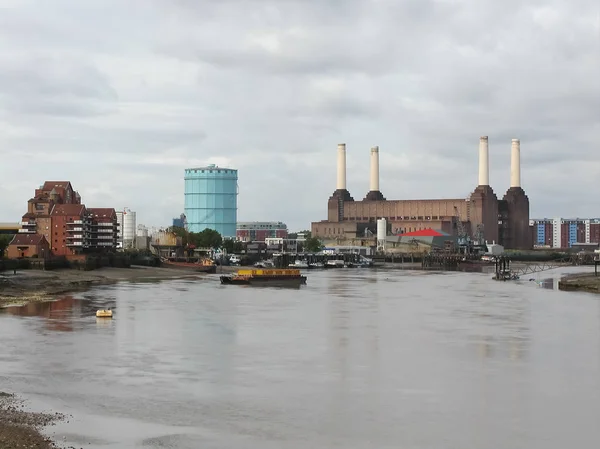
(120, 96)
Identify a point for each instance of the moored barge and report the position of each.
(266, 277)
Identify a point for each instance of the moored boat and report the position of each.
(104, 313)
(275, 277)
(203, 266)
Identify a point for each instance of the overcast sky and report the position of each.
(120, 96)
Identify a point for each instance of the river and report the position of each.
(355, 359)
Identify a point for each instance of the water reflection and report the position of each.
(356, 359)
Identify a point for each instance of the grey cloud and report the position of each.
(272, 86)
(54, 86)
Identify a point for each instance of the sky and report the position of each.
(119, 97)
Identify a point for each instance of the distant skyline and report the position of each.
(120, 97)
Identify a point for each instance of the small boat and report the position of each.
(104, 313)
(275, 277)
(299, 263)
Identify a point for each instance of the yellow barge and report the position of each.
(265, 276)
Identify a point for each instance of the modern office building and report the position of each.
(180, 222)
(211, 199)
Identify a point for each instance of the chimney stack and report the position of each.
(374, 186)
(484, 163)
(515, 163)
(341, 167)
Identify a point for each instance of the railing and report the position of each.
(26, 231)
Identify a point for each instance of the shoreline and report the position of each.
(21, 428)
(41, 286)
(580, 282)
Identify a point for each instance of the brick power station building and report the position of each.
(58, 224)
(482, 215)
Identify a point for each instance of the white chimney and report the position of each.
(341, 167)
(484, 162)
(515, 163)
(374, 169)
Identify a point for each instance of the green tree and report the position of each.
(313, 245)
(232, 246)
(4, 241)
(209, 238)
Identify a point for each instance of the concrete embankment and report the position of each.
(583, 282)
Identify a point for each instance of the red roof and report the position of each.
(49, 185)
(102, 212)
(68, 209)
(424, 233)
(28, 239)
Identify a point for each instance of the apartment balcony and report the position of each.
(28, 223)
(76, 244)
(26, 231)
(75, 229)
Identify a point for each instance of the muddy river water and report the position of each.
(356, 359)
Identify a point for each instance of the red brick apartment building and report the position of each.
(56, 213)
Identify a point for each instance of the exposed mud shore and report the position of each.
(582, 282)
(22, 429)
(38, 286)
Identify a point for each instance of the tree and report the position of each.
(232, 246)
(4, 241)
(209, 238)
(313, 245)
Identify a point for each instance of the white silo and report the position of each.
(381, 233)
(128, 228)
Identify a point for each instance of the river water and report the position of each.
(355, 359)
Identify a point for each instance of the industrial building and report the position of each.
(481, 216)
(211, 199)
(258, 231)
(127, 227)
(564, 232)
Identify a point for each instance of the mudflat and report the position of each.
(22, 429)
(583, 282)
(32, 285)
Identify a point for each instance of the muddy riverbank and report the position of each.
(22, 429)
(36, 286)
(580, 282)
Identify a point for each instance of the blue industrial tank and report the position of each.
(211, 199)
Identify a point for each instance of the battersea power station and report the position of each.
(481, 216)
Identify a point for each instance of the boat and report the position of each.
(202, 266)
(266, 276)
(316, 265)
(104, 313)
(334, 263)
(299, 263)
